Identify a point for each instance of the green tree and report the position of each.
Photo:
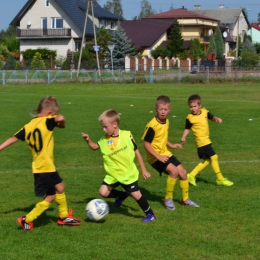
(146, 10)
(160, 51)
(37, 62)
(212, 44)
(10, 63)
(8, 38)
(219, 43)
(115, 7)
(175, 42)
(103, 39)
(195, 48)
(257, 47)
(122, 48)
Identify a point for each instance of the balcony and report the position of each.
(202, 39)
(43, 33)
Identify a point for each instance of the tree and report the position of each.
(146, 10)
(258, 17)
(212, 44)
(175, 43)
(115, 7)
(195, 48)
(122, 47)
(160, 51)
(10, 63)
(103, 39)
(219, 43)
(8, 38)
(37, 62)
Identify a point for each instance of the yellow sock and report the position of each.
(184, 185)
(215, 166)
(200, 167)
(39, 208)
(62, 204)
(170, 183)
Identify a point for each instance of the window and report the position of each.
(44, 23)
(113, 25)
(77, 46)
(56, 23)
(47, 3)
(103, 23)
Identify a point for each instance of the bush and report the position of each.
(10, 63)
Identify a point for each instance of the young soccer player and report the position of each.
(156, 142)
(38, 134)
(197, 121)
(119, 150)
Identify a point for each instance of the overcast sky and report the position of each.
(131, 8)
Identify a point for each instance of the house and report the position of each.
(59, 24)
(234, 20)
(154, 30)
(254, 32)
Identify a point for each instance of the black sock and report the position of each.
(143, 203)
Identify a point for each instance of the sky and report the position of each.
(9, 9)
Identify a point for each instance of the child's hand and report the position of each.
(176, 146)
(218, 120)
(146, 174)
(85, 136)
(163, 158)
(183, 140)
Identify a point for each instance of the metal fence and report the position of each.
(173, 75)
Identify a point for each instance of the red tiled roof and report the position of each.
(255, 25)
(144, 33)
(178, 13)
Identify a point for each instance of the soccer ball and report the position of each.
(97, 210)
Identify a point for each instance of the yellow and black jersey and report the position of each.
(200, 127)
(156, 133)
(38, 134)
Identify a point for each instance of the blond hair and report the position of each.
(163, 99)
(48, 103)
(111, 115)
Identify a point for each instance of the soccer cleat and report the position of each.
(192, 179)
(25, 225)
(69, 220)
(168, 203)
(118, 202)
(191, 203)
(225, 182)
(149, 218)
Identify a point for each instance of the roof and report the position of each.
(149, 31)
(180, 13)
(255, 26)
(76, 10)
(225, 15)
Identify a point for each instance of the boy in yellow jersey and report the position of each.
(156, 142)
(38, 134)
(119, 150)
(197, 121)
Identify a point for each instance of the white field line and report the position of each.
(101, 166)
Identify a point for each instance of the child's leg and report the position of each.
(109, 192)
(215, 166)
(200, 167)
(61, 200)
(171, 180)
(184, 184)
(142, 202)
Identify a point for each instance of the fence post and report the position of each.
(151, 76)
(179, 74)
(207, 74)
(71, 74)
(26, 76)
(48, 76)
(3, 77)
(95, 75)
(135, 76)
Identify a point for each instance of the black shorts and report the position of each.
(205, 152)
(161, 167)
(128, 187)
(44, 183)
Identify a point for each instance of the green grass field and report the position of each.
(226, 226)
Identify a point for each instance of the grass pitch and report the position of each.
(226, 226)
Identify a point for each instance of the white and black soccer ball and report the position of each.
(97, 210)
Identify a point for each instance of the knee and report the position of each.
(214, 157)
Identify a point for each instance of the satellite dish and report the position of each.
(210, 31)
(224, 34)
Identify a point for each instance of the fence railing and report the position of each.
(43, 33)
(173, 75)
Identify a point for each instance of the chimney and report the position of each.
(221, 6)
(196, 7)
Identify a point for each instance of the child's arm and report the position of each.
(149, 149)
(174, 146)
(8, 142)
(145, 173)
(91, 144)
(60, 120)
(217, 119)
(184, 135)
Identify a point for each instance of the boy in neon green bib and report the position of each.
(119, 150)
